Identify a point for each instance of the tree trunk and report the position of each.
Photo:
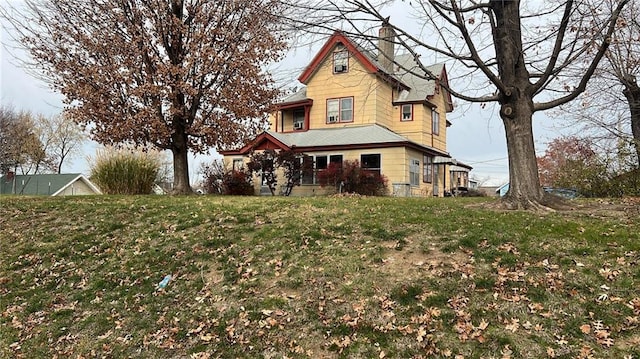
(632, 93)
(180, 151)
(524, 182)
(516, 100)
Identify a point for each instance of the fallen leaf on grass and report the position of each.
(585, 328)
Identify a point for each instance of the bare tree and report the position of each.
(181, 75)
(20, 147)
(61, 138)
(520, 51)
(609, 110)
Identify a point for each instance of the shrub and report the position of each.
(125, 170)
(351, 178)
(219, 180)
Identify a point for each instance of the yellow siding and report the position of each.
(372, 103)
(357, 83)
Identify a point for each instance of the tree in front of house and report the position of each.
(350, 177)
(520, 50)
(267, 163)
(178, 75)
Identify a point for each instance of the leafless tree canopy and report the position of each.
(609, 111)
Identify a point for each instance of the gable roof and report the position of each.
(370, 64)
(43, 184)
(412, 88)
(366, 136)
(338, 37)
(420, 88)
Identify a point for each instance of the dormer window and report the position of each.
(341, 61)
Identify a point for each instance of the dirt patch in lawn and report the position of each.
(413, 259)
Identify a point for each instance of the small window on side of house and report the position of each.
(407, 112)
(414, 172)
(435, 120)
(427, 175)
(238, 164)
(298, 120)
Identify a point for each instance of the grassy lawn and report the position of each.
(331, 277)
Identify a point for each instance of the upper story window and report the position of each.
(340, 61)
(435, 121)
(407, 113)
(298, 120)
(340, 110)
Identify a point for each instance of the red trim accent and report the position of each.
(336, 38)
(311, 149)
(307, 116)
(444, 78)
(288, 105)
(262, 142)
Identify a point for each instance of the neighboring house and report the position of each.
(502, 190)
(358, 106)
(47, 185)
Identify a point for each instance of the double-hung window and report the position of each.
(340, 110)
(340, 61)
(414, 172)
(427, 175)
(435, 121)
(407, 112)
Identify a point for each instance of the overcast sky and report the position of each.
(476, 136)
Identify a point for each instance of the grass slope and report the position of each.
(315, 277)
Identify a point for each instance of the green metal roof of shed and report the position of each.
(42, 184)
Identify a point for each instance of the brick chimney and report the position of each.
(386, 46)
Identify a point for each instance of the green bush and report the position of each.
(125, 171)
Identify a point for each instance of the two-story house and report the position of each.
(357, 106)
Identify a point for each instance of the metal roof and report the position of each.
(42, 184)
(345, 136)
(419, 88)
